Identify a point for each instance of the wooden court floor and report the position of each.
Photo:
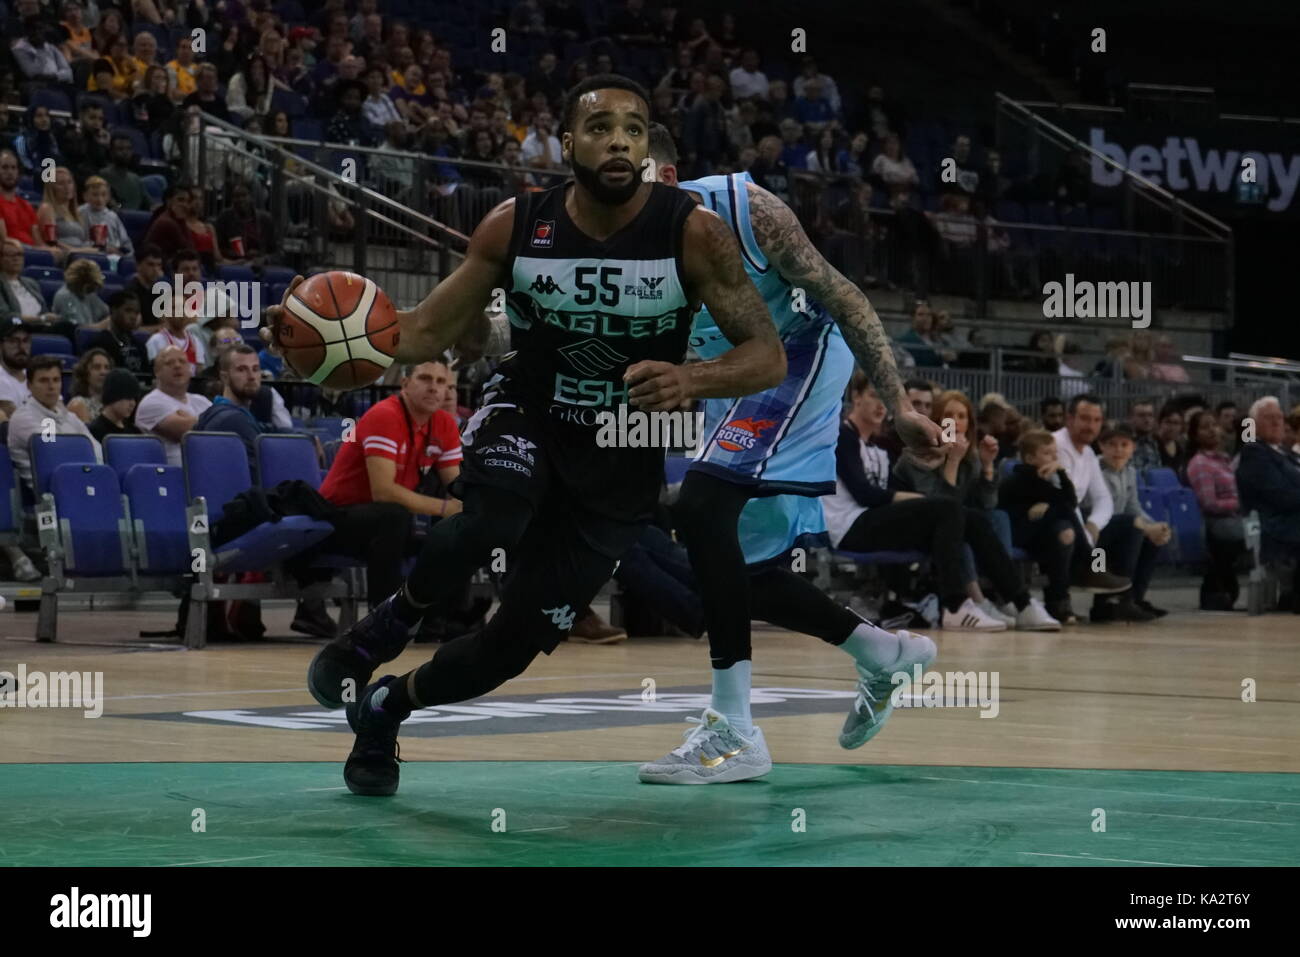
(1092, 718)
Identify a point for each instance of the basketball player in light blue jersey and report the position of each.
(753, 491)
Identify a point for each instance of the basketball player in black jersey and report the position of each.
(601, 276)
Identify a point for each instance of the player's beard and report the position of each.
(589, 177)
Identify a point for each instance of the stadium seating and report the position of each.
(58, 450)
(282, 458)
(92, 525)
(123, 452)
(155, 495)
(1188, 526)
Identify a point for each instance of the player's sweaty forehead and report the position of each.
(620, 106)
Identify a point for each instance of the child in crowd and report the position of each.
(1117, 442)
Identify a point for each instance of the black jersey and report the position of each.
(581, 311)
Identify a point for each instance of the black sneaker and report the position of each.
(372, 768)
(1122, 609)
(1100, 583)
(354, 656)
(1062, 611)
(312, 619)
(1151, 609)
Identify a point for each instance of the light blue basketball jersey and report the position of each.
(780, 442)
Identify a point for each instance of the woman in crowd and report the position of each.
(78, 302)
(57, 217)
(1211, 477)
(894, 171)
(203, 234)
(88, 377)
(37, 142)
(153, 104)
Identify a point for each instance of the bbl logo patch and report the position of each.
(741, 434)
(543, 233)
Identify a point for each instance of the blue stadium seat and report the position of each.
(37, 257)
(92, 522)
(1188, 525)
(104, 265)
(125, 268)
(61, 449)
(327, 427)
(123, 452)
(11, 508)
(49, 287)
(44, 273)
(136, 222)
(277, 274)
(1162, 478)
(283, 458)
(1007, 465)
(331, 452)
(43, 344)
(155, 495)
(235, 274)
(308, 128)
(216, 469)
(290, 102)
(51, 99)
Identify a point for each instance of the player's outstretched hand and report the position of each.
(917, 431)
(657, 386)
(270, 333)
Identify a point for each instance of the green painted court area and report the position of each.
(572, 813)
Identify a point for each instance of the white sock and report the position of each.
(731, 695)
(873, 648)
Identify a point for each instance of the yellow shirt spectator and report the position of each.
(183, 77)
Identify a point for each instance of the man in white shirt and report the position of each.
(42, 413)
(829, 89)
(15, 354)
(1115, 535)
(541, 148)
(169, 411)
(747, 80)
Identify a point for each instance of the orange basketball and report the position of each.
(339, 330)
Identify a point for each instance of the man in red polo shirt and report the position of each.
(16, 213)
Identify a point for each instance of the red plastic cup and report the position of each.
(99, 234)
(51, 233)
(237, 244)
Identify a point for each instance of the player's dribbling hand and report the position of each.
(270, 333)
(656, 386)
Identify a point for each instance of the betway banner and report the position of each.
(1228, 169)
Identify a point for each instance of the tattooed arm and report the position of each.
(715, 276)
(790, 250)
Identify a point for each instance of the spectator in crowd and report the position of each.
(825, 157)
(128, 188)
(1209, 472)
(57, 215)
(88, 377)
(1116, 443)
(704, 138)
(207, 96)
(1000, 419)
(1292, 423)
(15, 356)
(793, 148)
(809, 74)
(547, 79)
(1146, 449)
(1170, 438)
(85, 144)
(412, 99)
(348, 124)
(920, 340)
(110, 26)
(249, 91)
(878, 116)
(920, 394)
(202, 234)
(127, 70)
(246, 233)
(865, 515)
(813, 109)
(1051, 413)
(855, 159)
(1225, 413)
(378, 107)
(20, 296)
(168, 229)
(892, 169)
(45, 378)
(144, 288)
(541, 148)
(1268, 478)
(37, 142)
(180, 327)
(117, 338)
(1073, 183)
(170, 409)
(770, 171)
(1166, 367)
(118, 399)
(1042, 504)
(966, 174)
(104, 227)
(678, 79)
(232, 409)
(747, 80)
(183, 70)
(632, 26)
(1115, 534)
(77, 303)
(994, 185)
(17, 217)
(80, 44)
(144, 50)
(38, 59)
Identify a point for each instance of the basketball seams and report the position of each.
(335, 362)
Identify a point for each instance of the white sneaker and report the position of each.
(970, 617)
(875, 703)
(1035, 617)
(713, 753)
(998, 614)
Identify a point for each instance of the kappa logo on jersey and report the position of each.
(543, 233)
(545, 285)
(561, 617)
(591, 356)
(742, 434)
(649, 288)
